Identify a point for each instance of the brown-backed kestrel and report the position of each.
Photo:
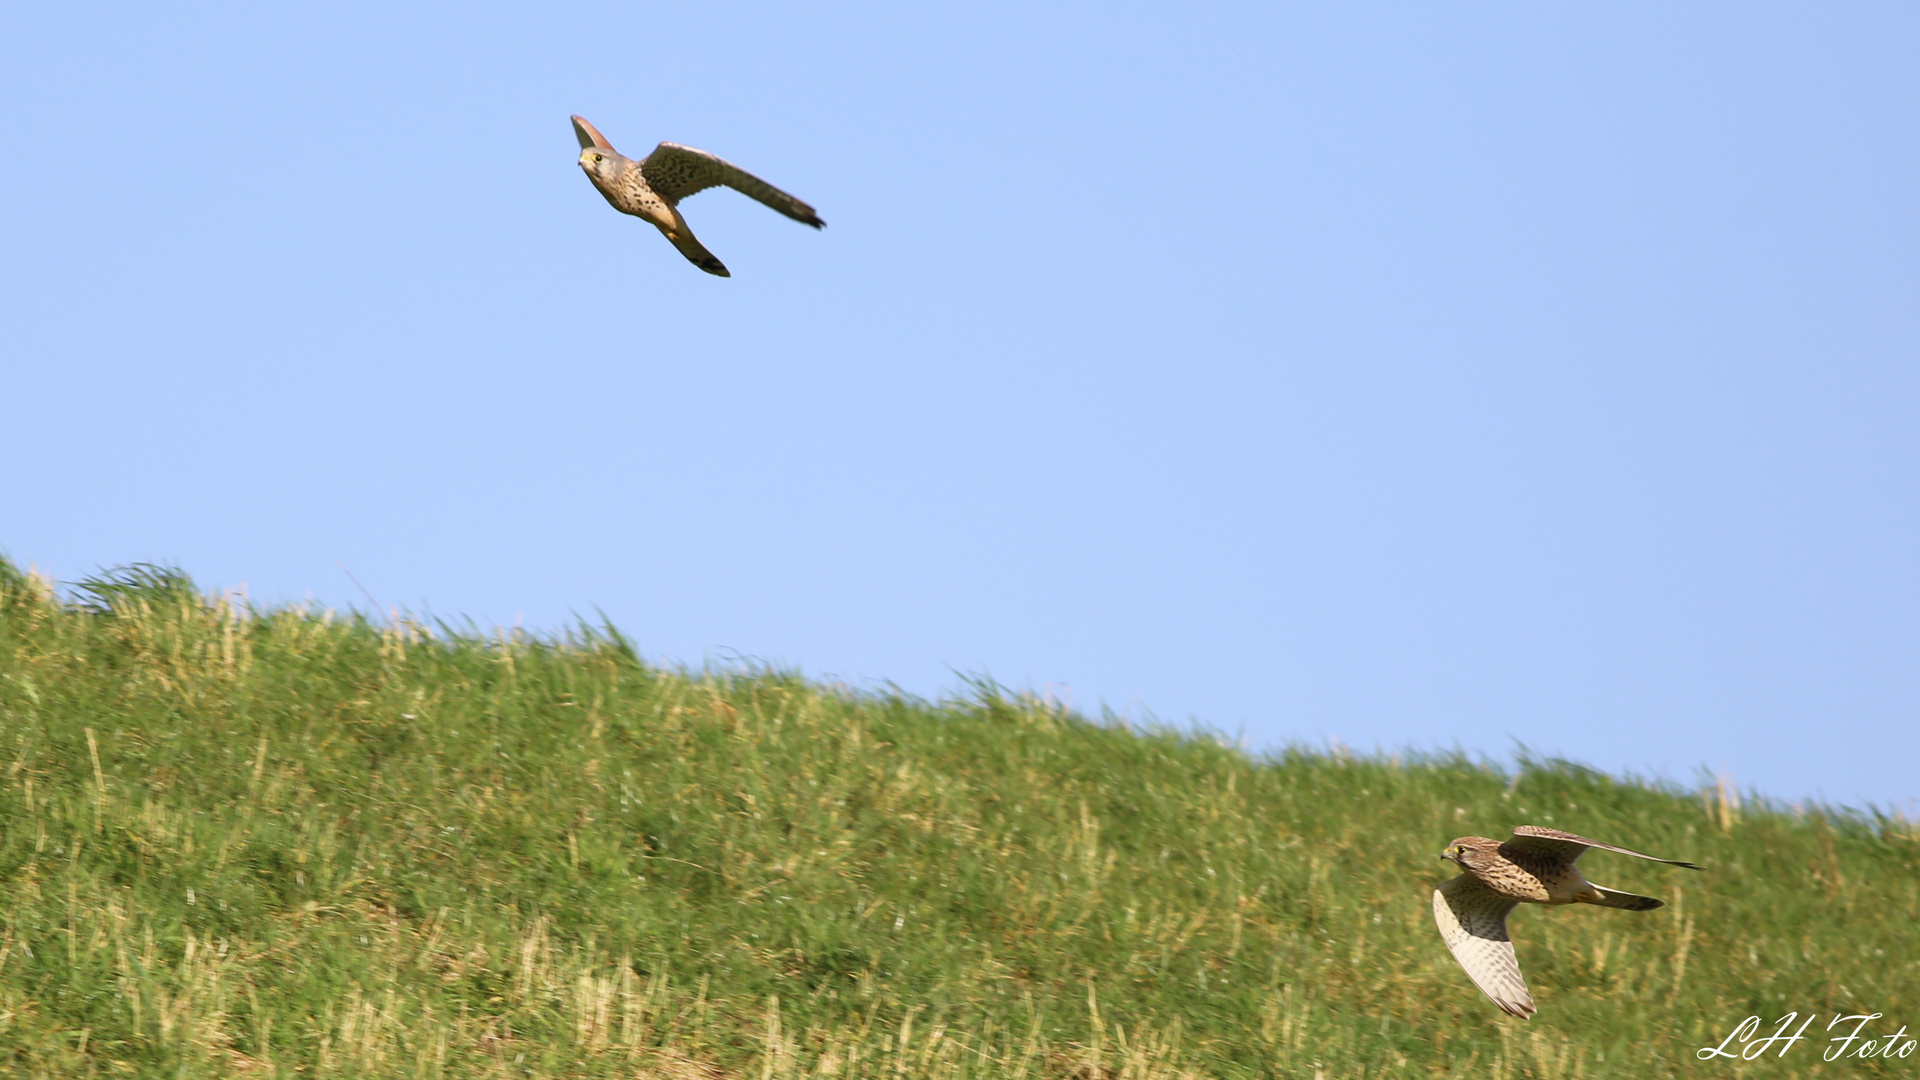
(652, 189)
(1535, 867)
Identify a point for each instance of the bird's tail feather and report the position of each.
(1626, 901)
(697, 253)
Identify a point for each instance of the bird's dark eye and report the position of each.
(596, 157)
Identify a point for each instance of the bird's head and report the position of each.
(601, 161)
(1472, 852)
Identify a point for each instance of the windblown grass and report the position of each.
(287, 843)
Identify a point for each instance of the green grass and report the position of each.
(285, 842)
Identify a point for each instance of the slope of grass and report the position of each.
(287, 843)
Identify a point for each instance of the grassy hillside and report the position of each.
(288, 843)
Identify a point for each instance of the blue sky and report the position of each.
(1409, 375)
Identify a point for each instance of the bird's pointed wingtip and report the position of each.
(589, 135)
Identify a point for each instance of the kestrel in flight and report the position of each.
(1535, 867)
(652, 189)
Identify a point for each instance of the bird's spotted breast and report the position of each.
(1511, 879)
(1556, 881)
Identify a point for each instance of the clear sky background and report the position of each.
(1422, 376)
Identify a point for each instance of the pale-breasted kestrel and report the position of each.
(1535, 867)
(652, 189)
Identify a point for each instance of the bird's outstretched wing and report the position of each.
(1554, 844)
(1473, 923)
(589, 135)
(675, 172)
